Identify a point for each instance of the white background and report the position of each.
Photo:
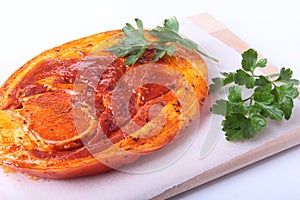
(271, 27)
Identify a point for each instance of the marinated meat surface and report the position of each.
(77, 110)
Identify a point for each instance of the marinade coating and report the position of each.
(44, 134)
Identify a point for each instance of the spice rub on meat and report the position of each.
(50, 127)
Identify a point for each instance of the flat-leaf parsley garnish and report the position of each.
(271, 97)
(135, 43)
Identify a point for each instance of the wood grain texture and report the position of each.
(277, 145)
(213, 27)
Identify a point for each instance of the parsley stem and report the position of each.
(206, 55)
(249, 98)
(273, 75)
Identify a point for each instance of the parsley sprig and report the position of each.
(135, 43)
(272, 97)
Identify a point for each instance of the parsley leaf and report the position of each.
(171, 24)
(285, 76)
(235, 94)
(220, 107)
(271, 111)
(262, 62)
(243, 78)
(220, 82)
(249, 60)
(135, 43)
(245, 118)
(237, 126)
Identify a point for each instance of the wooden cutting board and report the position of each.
(290, 139)
(189, 170)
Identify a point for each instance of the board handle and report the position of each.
(214, 28)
